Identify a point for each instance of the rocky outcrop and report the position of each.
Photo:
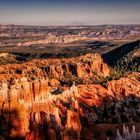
(83, 68)
(127, 134)
(52, 39)
(28, 95)
(40, 101)
(125, 86)
(73, 125)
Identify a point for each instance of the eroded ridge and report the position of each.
(41, 108)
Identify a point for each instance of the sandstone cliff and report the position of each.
(85, 68)
(34, 92)
(34, 97)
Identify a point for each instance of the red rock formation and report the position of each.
(73, 123)
(125, 86)
(86, 67)
(30, 93)
(54, 82)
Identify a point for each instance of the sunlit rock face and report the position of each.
(24, 90)
(61, 112)
(83, 68)
(21, 94)
(44, 109)
(125, 86)
(53, 39)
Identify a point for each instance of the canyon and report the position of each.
(44, 104)
(64, 41)
(70, 82)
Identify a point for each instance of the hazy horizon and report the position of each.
(74, 12)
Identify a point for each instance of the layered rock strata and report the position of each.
(44, 108)
(83, 68)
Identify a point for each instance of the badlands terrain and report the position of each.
(70, 83)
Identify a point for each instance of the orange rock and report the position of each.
(73, 122)
(54, 82)
(85, 67)
(125, 85)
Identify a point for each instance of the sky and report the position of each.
(69, 12)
